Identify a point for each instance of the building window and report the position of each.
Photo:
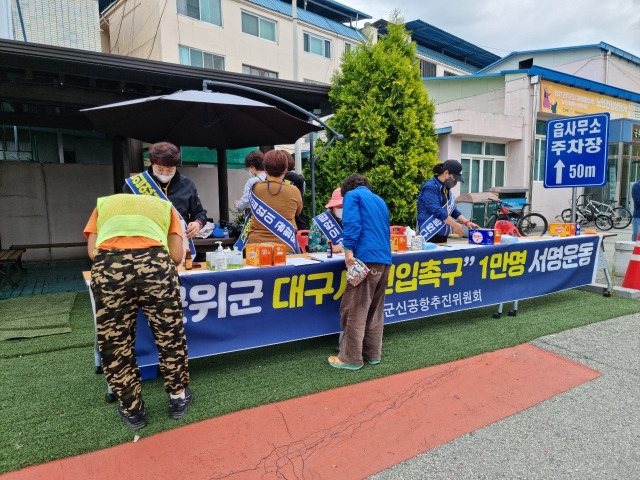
(258, 72)
(206, 10)
(447, 73)
(317, 45)
(349, 47)
(427, 69)
(198, 58)
(258, 26)
(483, 166)
(538, 159)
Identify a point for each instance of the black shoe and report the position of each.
(136, 421)
(178, 406)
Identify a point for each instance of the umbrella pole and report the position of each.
(312, 166)
(223, 186)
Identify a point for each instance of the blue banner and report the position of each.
(434, 226)
(247, 308)
(329, 227)
(274, 222)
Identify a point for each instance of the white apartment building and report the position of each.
(268, 38)
(71, 23)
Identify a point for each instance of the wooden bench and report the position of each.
(9, 258)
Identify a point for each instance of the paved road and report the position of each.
(589, 432)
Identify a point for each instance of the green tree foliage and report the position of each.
(381, 107)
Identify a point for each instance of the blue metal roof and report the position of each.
(452, 62)
(442, 42)
(582, 83)
(602, 46)
(558, 77)
(312, 18)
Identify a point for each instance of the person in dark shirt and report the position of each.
(180, 190)
(298, 180)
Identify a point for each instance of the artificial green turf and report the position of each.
(53, 404)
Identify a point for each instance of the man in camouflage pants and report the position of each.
(125, 279)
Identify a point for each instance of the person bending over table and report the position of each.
(165, 158)
(277, 194)
(366, 237)
(437, 206)
(135, 242)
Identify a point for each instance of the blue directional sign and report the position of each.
(576, 154)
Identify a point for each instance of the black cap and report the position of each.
(455, 168)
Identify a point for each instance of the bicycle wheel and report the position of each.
(533, 224)
(566, 215)
(603, 222)
(491, 221)
(621, 217)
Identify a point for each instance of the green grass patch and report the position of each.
(53, 404)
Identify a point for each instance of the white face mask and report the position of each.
(338, 212)
(163, 178)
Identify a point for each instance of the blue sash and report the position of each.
(329, 227)
(143, 184)
(274, 222)
(241, 242)
(434, 226)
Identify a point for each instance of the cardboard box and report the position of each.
(259, 254)
(562, 229)
(481, 236)
(398, 242)
(279, 254)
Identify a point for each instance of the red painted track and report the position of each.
(346, 433)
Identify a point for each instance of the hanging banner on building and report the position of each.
(247, 308)
(571, 101)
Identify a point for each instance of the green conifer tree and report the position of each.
(381, 107)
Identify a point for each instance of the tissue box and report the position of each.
(562, 229)
(481, 236)
(279, 254)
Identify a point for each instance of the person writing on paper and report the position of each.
(437, 207)
(252, 163)
(366, 237)
(135, 242)
(280, 196)
(180, 190)
(317, 239)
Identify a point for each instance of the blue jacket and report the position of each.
(430, 202)
(635, 194)
(365, 217)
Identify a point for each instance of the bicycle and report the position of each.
(587, 212)
(620, 216)
(527, 223)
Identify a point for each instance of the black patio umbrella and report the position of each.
(200, 118)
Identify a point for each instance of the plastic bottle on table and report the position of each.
(226, 232)
(329, 249)
(577, 228)
(220, 259)
(497, 236)
(188, 261)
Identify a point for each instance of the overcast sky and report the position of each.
(505, 26)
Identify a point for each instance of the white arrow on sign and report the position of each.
(559, 166)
